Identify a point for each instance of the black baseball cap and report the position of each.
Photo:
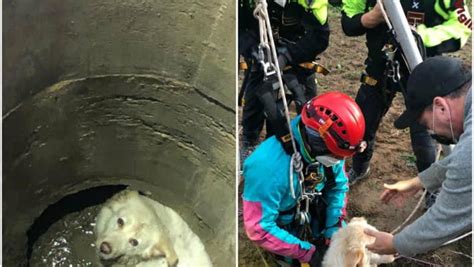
(436, 76)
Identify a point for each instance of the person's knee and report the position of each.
(424, 158)
(424, 149)
(369, 94)
(421, 140)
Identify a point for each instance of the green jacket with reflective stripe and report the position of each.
(444, 25)
(301, 25)
(319, 8)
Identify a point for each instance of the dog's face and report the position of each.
(124, 227)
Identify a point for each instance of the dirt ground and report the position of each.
(393, 159)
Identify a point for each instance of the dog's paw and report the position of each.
(388, 258)
(381, 259)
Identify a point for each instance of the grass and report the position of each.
(410, 159)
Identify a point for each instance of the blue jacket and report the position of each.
(267, 193)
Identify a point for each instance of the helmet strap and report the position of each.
(304, 150)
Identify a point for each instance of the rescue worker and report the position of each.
(300, 32)
(330, 128)
(442, 25)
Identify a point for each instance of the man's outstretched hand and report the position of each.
(399, 192)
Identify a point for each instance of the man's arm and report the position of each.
(448, 218)
(336, 198)
(450, 215)
(433, 177)
(314, 41)
(453, 33)
(355, 21)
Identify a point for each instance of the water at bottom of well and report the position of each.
(68, 242)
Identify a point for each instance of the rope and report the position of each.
(384, 13)
(268, 44)
(411, 214)
(457, 238)
(295, 164)
(266, 39)
(444, 244)
(420, 261)
(460, 253)
(418, 206)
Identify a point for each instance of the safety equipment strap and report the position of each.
(366, 79)
(268, 57)
(269, 60)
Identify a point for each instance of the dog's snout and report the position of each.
(105, 248)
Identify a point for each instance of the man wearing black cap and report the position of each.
(438, 97)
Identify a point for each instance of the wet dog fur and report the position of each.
(134, 230)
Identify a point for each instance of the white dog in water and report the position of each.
(348, 247)
(133, 230)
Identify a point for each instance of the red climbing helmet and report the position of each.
(338, 120)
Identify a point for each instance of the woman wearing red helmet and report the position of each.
(329, 129)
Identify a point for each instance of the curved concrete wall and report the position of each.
(137, 92)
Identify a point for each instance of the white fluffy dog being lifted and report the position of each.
(133, 230)
(347, 247)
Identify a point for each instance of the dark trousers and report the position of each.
(253, 116)
(374, 102)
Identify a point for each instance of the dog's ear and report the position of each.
(355, 257)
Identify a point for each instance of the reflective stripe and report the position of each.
(319, 8)
(447, 4)
(440, 11)
(450, 29)
(353, 7)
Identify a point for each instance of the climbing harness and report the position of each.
(314, 66)
(406, 41)
(266, 48)
(393, 66)
(268, 59)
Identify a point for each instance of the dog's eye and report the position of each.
(120, 222)
(133, 242)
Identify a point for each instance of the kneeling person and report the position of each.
(330, 128)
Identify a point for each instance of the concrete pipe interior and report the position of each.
(98, 95)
